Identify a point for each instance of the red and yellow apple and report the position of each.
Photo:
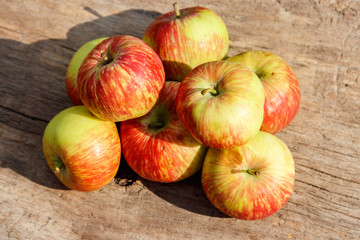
(282, 91)
(221, 104)
(120, 78)
(187, 38)
(251, 181)
(82, 150)
(157, 146)
(73, 69)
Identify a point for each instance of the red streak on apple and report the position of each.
(230, 182)
(229, 117)
(120, 78)
(197, 36)
(282, 101)
(282, 91)
(91, 163)
(165, 151)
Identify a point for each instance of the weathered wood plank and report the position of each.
(319, 39)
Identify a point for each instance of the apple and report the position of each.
(73, 69)
(282, 91)
(82, 150)
(157, 146)
(187, 38)
(120, 78)
(251, 181)
(221, 104)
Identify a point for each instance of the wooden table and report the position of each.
(320, 40)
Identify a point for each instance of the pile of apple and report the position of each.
(182, 108)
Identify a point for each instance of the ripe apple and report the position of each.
(251, 181)
(157, 146)
(221, 104)
(187, 38)
(73, 69)
(82, 150)
(282, 91)
(120, 78)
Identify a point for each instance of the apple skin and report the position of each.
(251, 181)
(199, 35)
(82, 150)
(120, 78)
(73, 69)
(282, 91)
(227, 118)
(157, 146)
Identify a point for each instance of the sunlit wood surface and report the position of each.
(319, 39)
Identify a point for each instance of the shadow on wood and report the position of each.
(33, 88)
(33, 91)
(186, 194)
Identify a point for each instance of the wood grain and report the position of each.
(319, 39)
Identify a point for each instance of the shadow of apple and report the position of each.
(33, 88)
(33, 92)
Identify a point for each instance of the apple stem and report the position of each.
(59, 164)
(104, 57)
(253, 172)
(176, 9)
(57, 170)
(249, 171)
(211, 90)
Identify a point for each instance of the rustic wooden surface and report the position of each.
(319, 39)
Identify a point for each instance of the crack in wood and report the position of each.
(328, 174)
(326, 190)
(23, 114)
(332, 211)
(46, 223)
(68, 48)
(322, 148)
(316, 224)
(11, 30)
